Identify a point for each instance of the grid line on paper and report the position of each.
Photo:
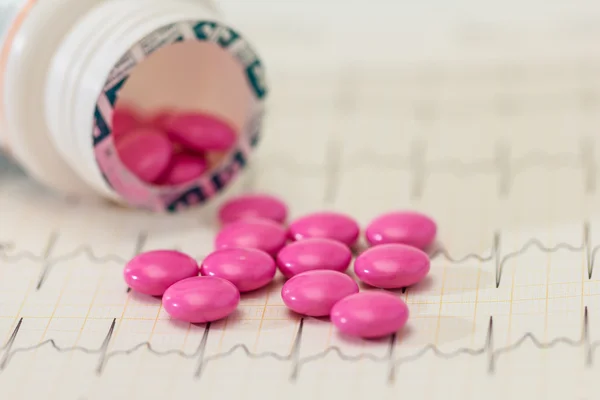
(583, 277)
(140, 242)
(45, 254)
(543, 385)
(176, 369)
(437, 329)
(57, 301)
(510, 312)
(262, 320)
(548, 267)
(435, 317)
(48, 250)
(133, 382)
(479, 267)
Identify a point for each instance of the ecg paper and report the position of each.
(503, 155)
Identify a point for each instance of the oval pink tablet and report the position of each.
(124, 120)
(200, 132)
(261, 234)
(370, 315)
(183, 168)
(411, 228)
(313, 254)
(330, 225)
(314, 293)
(253, 206)
(392, 266)
(145, 152)
(201, 299)
(160, 119)
(153, 272)
(247, 269)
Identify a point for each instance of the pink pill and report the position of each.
(392, 266)
(261, 234)
(200, 132)
(253, 206)
(247, 269)
(183, 168)
(370, 315)
(313, 254)
(145, 152)
(314, 293)
(153, 272)
(124, 121)
(201, 299)
(160, 120)
(411, 228)
(330, 225)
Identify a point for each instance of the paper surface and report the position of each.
(503, 156)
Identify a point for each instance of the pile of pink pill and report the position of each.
(169, 148)
(312, 252)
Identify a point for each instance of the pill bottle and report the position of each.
(65, 63)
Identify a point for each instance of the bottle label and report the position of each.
(12, 15)
(158, 198)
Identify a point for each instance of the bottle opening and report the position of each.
(180, 122)
(177, 116)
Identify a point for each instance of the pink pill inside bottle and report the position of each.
(145, 152)
(194, 98)
(125, 120)
(160, 119)
(183, 168)
(200, 132)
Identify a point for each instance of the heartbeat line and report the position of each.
(296, 361)
(501, 260)
(495, 254)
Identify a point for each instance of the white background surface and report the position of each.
(496, 137)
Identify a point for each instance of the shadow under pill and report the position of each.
(144, 299)
(325, 319)
(454, 279)
(425, 285)
(356, 341)
(435, 248)
(282, 321)
(414, 336)
(260, 293)
(422, 332)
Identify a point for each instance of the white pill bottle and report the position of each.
(63, 67)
